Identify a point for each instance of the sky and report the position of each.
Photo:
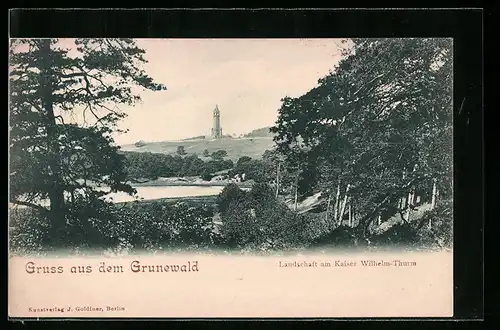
(246, 78)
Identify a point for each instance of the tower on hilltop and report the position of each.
(216, 129)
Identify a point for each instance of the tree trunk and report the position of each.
(296, 192)
(337, 203)
(350, 215)
(404, 204)
(434, 193)
(346, 196)
(379, 220)
(353, 211)
(328, 207)
(411, 196)
(408, 207)
(56, 193)
(278, 179)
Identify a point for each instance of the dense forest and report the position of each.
(151, 166)
(376, 134)
(373, 139)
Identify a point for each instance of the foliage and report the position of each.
(206, 176)
(181, 151)
(436, 226)
(219, 154)
(52, 157)
(257, 220)
(230, 193)
(374, 132)
(342, 236)
(151, 226)
(260, 132)
(243, 160)
(379, 124)
(146, 165)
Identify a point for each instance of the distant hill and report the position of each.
(236, 147)
(200, 137)
(260, 132)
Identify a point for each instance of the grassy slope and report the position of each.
(236, 148)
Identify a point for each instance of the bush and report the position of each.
(219, 154)
(342, 236)
(256, 220)
(436, 226)
(27, 231)
(143, 225)
(243, 160)
(206, 176)
(230, 193)
(400, 234)
(419, 234)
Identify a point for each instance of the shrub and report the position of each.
(230, 193)
(436, 226)
(256, 220)
(219, 154)
(206, 176)
(342, 236)
(419, 234)
(400, 234)
(27, 231)
(143, 225)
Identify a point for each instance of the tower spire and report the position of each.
(216, 129)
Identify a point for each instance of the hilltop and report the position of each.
(252, 144)
(235, 147)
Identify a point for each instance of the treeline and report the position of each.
(251, 220)
(151, 166)
(257, 220)
(260, 132)
(375, 135)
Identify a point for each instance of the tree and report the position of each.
(206, 175)
(376, 130)
(242, 160)
(52, 157)
(219, 154)
(140, 144)
(230, 193)
(180, 150)
(206, 153)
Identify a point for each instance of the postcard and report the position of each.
(223, 178)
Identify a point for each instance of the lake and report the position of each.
(157, 192)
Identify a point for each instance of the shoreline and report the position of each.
(160, 183)
(189, 199)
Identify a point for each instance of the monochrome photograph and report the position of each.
(230, 146)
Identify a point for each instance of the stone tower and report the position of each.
(216, 129)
